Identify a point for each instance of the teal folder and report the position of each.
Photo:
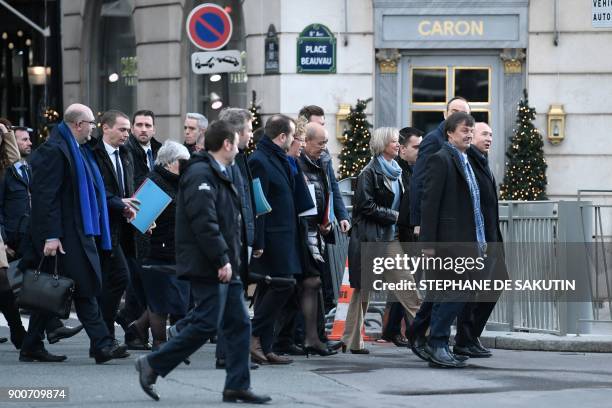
(153, 201)
(261, 204)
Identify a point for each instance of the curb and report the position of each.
(547, 342)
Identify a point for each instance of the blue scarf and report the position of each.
(93, 206)
(393, 171)
(293, 165)
(390, 168)
(475, 193)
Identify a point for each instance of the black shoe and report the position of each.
(470, 351)
(146, 377)
(63, 332)
(42, 355)
(334, 345)
(459, 357)
(135, 340)
(3, 339)
(321, 352)
(111, 352)
(441, 357)
(397, 339)
(480, 347)
(137, 344)
(418, 348)
(244, 396)
(291, 349)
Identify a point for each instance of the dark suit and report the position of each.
(277, 233)
(141, 163)
(56, 214)
(115, 267)
(209, 232)
(432, 142)
(15, 206)
(447, 215)
(473, 318)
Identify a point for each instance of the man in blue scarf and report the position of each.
(70, 221)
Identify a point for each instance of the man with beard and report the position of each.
(276, 250)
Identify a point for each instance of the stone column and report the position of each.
(159, 28)
(386, 88)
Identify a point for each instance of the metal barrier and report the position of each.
(535, 234)
(598, 260)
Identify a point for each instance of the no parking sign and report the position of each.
(209, 27)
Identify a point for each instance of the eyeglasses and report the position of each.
(91, 122)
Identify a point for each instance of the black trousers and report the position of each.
(88, 312)
(472, 321)
(394, 320)
(135, 300)
(268, 306)
(214, 303)
(115, 277)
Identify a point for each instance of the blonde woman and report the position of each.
(375, 213)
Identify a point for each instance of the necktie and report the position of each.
(119, 173)
(24, 174)
(150, 158)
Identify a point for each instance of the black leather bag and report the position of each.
(37, 290)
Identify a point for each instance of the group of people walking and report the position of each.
(191, 270)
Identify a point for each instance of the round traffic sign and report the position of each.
(209, 27)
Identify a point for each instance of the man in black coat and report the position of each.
(142, 144)
(473, 318)
(143, 148)
(15, 208)
(241, 121)
(410, 141)
(432, 143)
(209, 239)
(66, 225)
(276, 250)
(116, 165)
(451, 213)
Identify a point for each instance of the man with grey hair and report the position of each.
(195, 128)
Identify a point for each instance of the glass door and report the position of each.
(431, 81)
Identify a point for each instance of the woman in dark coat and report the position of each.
(375, 214)
(164, 292)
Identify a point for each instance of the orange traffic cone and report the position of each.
(344, 298)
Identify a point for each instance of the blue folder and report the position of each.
(153, 201)
(261, 204)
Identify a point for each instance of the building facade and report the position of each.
(409, 56)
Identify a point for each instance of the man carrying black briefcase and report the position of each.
(70, 220)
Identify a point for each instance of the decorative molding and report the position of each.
(513, 59)
(388, 59)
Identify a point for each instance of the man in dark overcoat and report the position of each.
(70, 221)
(276, 250)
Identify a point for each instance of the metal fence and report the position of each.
(534, 237)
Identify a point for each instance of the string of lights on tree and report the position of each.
(355, 153)
(525, 178)
(254, 109)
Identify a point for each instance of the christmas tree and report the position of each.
(254, 109)
(525, 177)
(356, 139)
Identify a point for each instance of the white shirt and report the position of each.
(146, 148)
(111, 153)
